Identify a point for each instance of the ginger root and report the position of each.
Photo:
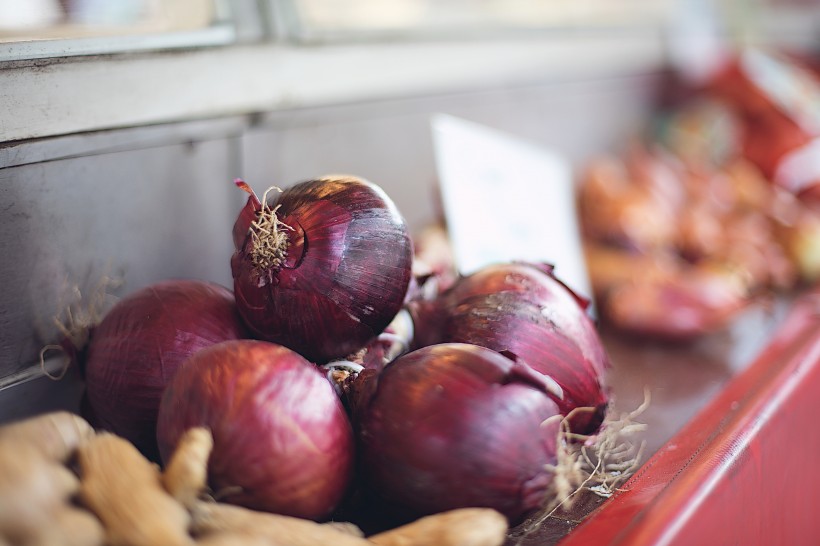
(125, 491)
(56, 435)
(122, 499)
(185, 478)
(31, 490)
(220, 524)
(459, 527)
(186, 475)
(70, 526)
(233, 539)
(210, 517)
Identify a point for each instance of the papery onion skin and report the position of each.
(457, 425)
(137, 347)
(282, 440)
(346, 273)
(525, 312)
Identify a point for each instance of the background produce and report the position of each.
(714, 207)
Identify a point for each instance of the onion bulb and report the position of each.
(136, 349)
(282, 440)
(323, 268)
(457, 425)
(523, 311)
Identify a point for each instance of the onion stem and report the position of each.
(338, 371)
(270, 242)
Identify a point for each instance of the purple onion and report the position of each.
(524, 312)
(457, 425)
(136, 349)
(282, 440)
(322, 269)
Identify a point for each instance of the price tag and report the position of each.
(506, 199)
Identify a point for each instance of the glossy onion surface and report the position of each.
(457, 425)
(136, 349)
(523, 311)
(345, 275)
(282, 440)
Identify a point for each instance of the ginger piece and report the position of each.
(125, 491)
(70, 526)
(278, 530)
(32, 488)
(56, 435)
(186, 475)
(346, 527)
(459, 527)
(220, 524)
(233, 539)
(185, 478)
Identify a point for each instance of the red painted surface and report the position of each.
(745, 471)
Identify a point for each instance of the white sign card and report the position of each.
(505, 199)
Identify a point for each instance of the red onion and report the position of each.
(457, 425)
(282, 440)
(322, 269)
(523, 311)
(135, 350)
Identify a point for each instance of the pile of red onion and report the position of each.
(136, 349)
(323, 268)
(323, 281)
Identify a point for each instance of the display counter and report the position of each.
(728, 437)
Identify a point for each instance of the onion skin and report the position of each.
(282, 440)
(456, 425)
(524, 312)
(345, 276)
(136, 349)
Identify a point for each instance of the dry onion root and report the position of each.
(600, 463)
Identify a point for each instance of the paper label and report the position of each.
(506, 199)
